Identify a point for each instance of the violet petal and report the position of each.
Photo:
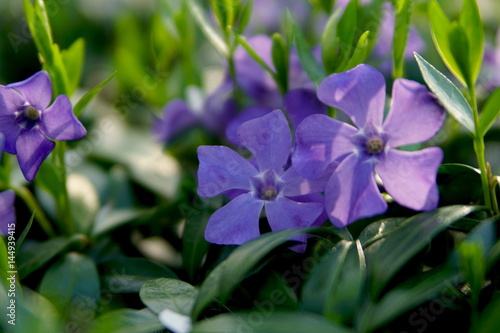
(176, 117)
(59, 123)
(37, 89)
(32, 149)
(301, 103)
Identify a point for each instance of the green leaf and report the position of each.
(490, 112)
(226, 11)
(460, 49)
(401, 33)
(489, 321)
(194, 245)
(227, 275)
(21, 238)
(268, 322)
(276, 292)
(473, 28)
(459, 184)
(313, 69)
(245, 16)
(335, 284)
(214, 38)
(346, 30)
(251, 51)
(127, 321)
(403, 244)
(440, 27)
(378, 230)
(360, 52)
(73, 62)
(398, 300)
(326, 5)
(108, 219)
(72, 281)
(280, 56)
(40, 254)
(89, 96)
(329, 42)
(473, 266)
(161, 294)
(39, 28)
(447, 93)
(128, 275)
(39, 315)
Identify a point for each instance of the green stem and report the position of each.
(64, 208)
(33, 205)
(480, 150)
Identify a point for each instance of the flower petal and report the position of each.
(59, 123)
(284, 213)
(7, 212)
(219, 108)
(269, 140)
(296, 185)
(222, 169)
(37, 89)
(32, 149)
(176, 118)
(10, 101)
(352, 192)
(410, 177)
(414, 115)
(249, 113)
(359, 92)
(301, 103)
(321, 140)
(11, 131)
(235, 223)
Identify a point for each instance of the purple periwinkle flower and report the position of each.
(369, 147)
(27, 121)
(7, 212)
(267, 185)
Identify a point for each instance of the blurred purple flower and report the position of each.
(409, 177)
(269, 185)
(257, 83)
(217, 111)
(7, 212)
(27, 121)
(267, 14)
(490, 74)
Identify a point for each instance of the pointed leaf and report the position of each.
(361, 51)
(127, 321)
(490, 112)
(175, 295)
(73, 62)
(89, 96)
(401, 33)
(447, 93)
(473, 27)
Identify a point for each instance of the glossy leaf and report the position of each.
(161, 294)
(73, 279)
(272, 322)
(127, 321)
(378, 230)
(447, 93)
(490, 112)
(360, 52)
(459, 184)
(401, 33)
(402, 245)
(39, 315)
(226, 11)
(89, 96)
(227, 275)
(280, 56)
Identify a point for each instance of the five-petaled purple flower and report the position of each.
(409, 177)
(7, 213)
(268, 185)
(27, 121)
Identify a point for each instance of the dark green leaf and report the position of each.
(21, 238)
(280, 55)
(378, 230)
(346, 30)
(402, 245)
(127, 321)
(89, 96)
(401, 33)
(460, 49)
(161, 294)
(459, 184)
(128, 275)
(109, 219)
(277, 293)
(226, 11)
(473, 28)
(447, 93)
(226, 276)
(39, 254)
(440, 27)
(269, 322)
(207, 29)
(39, 315)
(73, 62)
(194, 245)
(421, 288)
(72, 280)
(489, 321)
(329, 42)
(490, 112)
(313, 69)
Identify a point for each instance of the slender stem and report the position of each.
(480, 150)
(64, 208)
(33, 205)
